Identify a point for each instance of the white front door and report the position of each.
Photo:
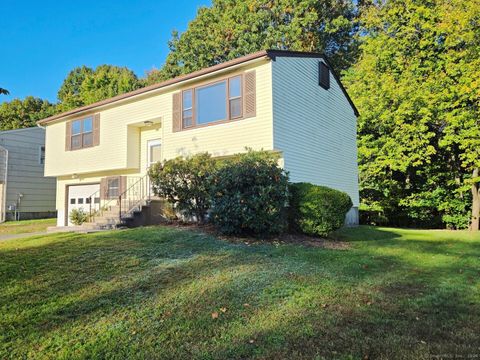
(154, 152)
(79, 198)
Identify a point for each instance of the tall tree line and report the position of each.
(232, 28)
(82, 86)
(416, 85)
(411, 66)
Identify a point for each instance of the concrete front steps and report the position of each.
(148, 214)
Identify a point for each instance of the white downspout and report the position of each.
(4, 195)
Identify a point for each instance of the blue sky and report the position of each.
(41, 41)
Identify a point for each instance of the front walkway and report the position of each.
(20, 236)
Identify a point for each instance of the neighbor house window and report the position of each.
(82, 133)
(42, 155)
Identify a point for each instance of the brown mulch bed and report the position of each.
(287, 238)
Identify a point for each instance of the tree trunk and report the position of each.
(475, 225)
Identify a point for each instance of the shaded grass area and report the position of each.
(25, 226)
(173, 294)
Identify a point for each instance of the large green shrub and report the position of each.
(249, 195)
(317, 210)
(185, 183)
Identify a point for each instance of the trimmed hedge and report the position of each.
(249, 195)
(317, 210)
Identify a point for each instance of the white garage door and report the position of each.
(79, 198)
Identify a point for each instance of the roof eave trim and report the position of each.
(271, 54)
(158, 86)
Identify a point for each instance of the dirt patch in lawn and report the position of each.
(297, 239)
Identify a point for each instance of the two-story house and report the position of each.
(24, 192)
(289, 102)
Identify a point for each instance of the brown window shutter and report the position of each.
(103, 189)
(68, 136)
(177, 112)
(96, 129)
(249, 102)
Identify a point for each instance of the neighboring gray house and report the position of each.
(24, 191)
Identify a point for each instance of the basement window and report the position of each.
(113, 187)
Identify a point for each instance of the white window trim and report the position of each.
(151, 143)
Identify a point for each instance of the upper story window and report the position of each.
(211, 103)
(224, 100)
(235, 97)
(82, 133)
(187, 113)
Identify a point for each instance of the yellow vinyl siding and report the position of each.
(122, 146)
(133, 147)
(315, 128)
(124, 136)
(109, 155)
(227, 138)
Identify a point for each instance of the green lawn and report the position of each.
(25, 226)
(176, 294)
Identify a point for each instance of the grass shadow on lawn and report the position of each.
(25, 226)
(365, 233)
(150, 293)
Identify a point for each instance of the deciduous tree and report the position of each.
(18, 113)
(84, 85)
(416, 85)
(458, 91)
(232, 28)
